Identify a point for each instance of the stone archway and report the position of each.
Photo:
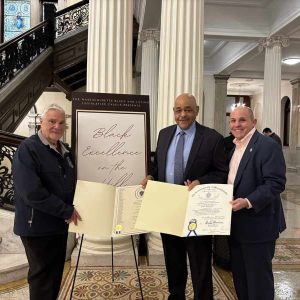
(285, 120)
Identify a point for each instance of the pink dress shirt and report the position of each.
(240, 147)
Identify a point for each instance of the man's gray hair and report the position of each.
(52, 106)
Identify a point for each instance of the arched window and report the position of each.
(286, 121)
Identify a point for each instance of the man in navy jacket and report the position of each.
(257, 171)
(44, 183)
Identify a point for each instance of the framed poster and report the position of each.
(110, 137)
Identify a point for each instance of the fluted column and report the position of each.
(181, 55)
(294, 140)
(149, 76)
(220, 103)
(109, 70)
(272, 81)
(109, 61)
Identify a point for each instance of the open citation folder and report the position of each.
(106, 210)
(172, 209)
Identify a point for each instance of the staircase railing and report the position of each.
(8, 145)
(18, 53)
(71, 18)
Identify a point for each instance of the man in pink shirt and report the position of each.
(257, 171)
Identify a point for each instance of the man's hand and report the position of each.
(239, 203)
(74, 218)
(143, 183)
(191, 184)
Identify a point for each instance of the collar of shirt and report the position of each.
(46, 143)
(190, 131)
(240, 148)
(188, 142)
(245, 141)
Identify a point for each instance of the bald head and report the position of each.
(185, 110)
(188, 98)
(246, 110)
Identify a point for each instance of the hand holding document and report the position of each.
(172, 209)
(106, 210)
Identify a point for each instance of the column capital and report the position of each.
(150, 34)
(221, 77)
(295, 81)
(270, 42)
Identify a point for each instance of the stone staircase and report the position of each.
(13, 262)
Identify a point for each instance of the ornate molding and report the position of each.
(149, 34)
(221, 77)
(295, 82)
(273, 41)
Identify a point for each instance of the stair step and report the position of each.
(291, 169)
(13, 267)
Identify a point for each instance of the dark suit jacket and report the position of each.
(206, 162)
(276, 138)
(261, 179)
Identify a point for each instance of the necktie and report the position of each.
(178, 162)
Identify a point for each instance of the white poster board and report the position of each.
(109, 147)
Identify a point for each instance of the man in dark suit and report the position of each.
(268, 132)
(204, 162)
(257, 170)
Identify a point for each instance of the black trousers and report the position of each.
(252, 270)
(46, 258)
(199, 251)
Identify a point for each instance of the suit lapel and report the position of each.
(246, 157)
(198, 139)
(165, 146)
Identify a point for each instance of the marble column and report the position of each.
(109, 58)
(293, 158)
(220, 103)
(272, 82)
(181, 56)
(109, 70)
(294, 140)
(149, 76)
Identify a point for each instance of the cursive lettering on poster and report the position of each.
(113, 151)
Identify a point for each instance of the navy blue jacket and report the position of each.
(44, 184)
(260, 178)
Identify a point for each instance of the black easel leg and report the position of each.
(74, 278)
(112, 259)
(137, 268)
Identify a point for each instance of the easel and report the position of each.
(112, 265)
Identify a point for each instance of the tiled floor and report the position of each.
(287, 285)
(287, 282)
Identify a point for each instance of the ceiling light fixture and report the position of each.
(291, 60)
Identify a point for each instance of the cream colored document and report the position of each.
(106, 210)
(128, 201)
(172, 209)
